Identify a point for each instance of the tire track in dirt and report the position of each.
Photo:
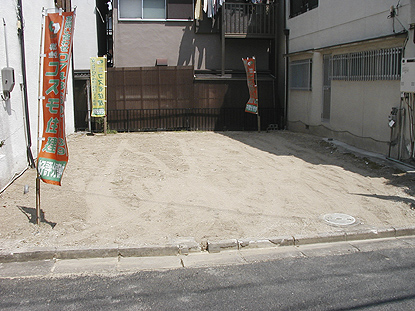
(102, 217)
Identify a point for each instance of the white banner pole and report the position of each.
(40, 101)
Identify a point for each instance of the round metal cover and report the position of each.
(339, 219)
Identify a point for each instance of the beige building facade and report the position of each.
(344, 63)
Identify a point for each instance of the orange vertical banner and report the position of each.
(57, 48)
(252, 104)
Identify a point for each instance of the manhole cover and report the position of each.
(339, 219)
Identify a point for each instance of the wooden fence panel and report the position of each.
(150, 87)
(168, 98)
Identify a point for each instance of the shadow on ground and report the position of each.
(30, 213)
(316, 151)
(393, 198)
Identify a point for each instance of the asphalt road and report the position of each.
(379, 279)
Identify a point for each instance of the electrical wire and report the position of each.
(404, 29)
(413, 124)
(15, 176)
(409, 100)
(393, 15)
(3, 140)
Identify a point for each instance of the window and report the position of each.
(300, 75)
(298, 7)
(382, 64)
(155, 9)
(180, 9)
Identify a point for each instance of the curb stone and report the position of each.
(185, 248)
(149, 251)
(371, 234)
(30, 255)
(283, 241)
(84, 252)
(405, 231)
(78, 253)
(255, 243)
(328, 237)
(216, 247)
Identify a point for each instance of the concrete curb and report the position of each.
(84, 252)
(192, 247)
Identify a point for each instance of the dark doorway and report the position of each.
(81, 101)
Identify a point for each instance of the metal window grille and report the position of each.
(300, 75)
(381, 64)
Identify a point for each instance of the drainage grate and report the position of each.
(339, 219)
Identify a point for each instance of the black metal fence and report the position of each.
(249, 20)
(190, 119)
(168, 98)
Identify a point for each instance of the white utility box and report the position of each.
(7, 79)
(408, 75)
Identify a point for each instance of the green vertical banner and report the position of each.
(252, 105)
(98, 86)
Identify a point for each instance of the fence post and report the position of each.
(128, 121)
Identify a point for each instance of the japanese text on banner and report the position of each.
(53, 153)
(252, 104)
(98, 85)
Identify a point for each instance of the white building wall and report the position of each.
(338, 21)
(13, 159)
(85, 38)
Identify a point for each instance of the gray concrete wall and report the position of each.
(140, 43)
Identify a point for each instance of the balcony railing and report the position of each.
(242, 20)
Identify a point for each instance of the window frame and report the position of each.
(166, 19)
(304, 62)
(305, 7)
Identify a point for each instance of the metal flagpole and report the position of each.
(106, 95)
(41, 58)
(257, 100)
(88, 95)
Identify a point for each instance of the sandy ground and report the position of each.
(134, 189)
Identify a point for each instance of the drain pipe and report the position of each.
(20, 33)
(400, 162)
(287, 45)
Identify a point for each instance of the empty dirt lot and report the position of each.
(153, 188)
